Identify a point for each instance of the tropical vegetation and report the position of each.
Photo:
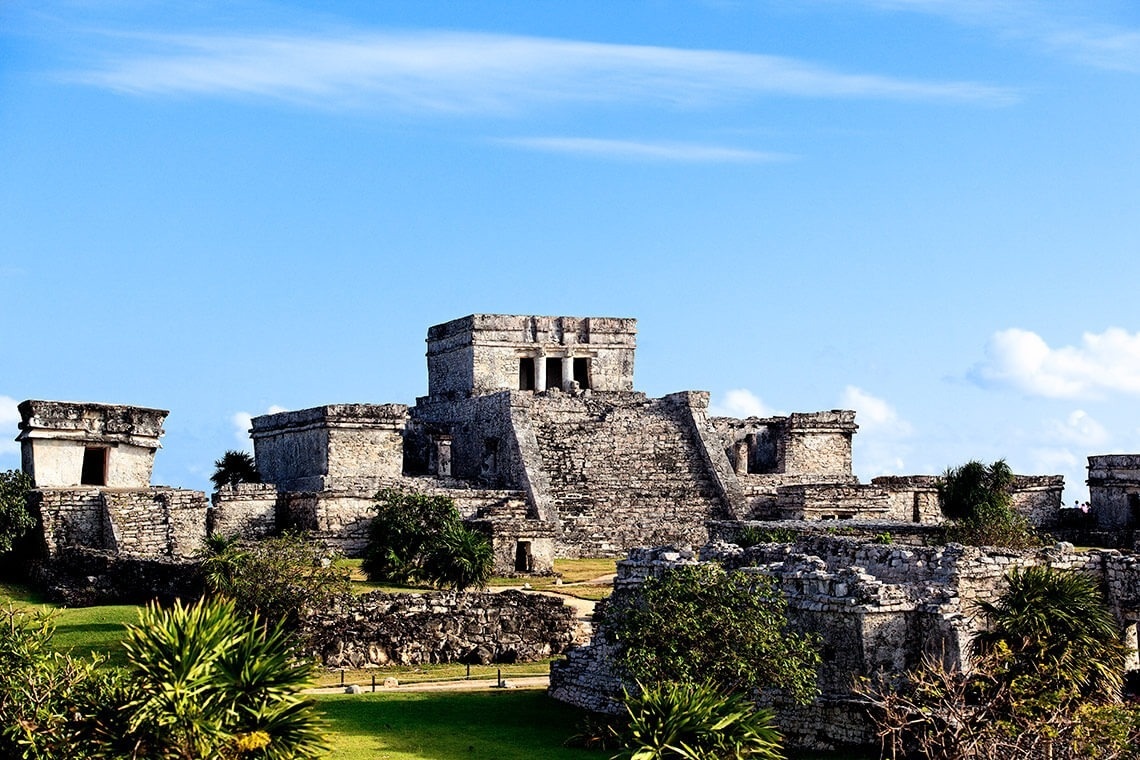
(235, 467)
(417, 537)
(978, 500)
(15, 519)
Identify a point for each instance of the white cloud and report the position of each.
(447, 72)
(878, 448)
(242, 421)
(1078, 429)
(874, 415)
(646, 151)
(741, 403)
(9, 422)
(1103, 363)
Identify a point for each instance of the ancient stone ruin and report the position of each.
(531, 424)
(877, 607)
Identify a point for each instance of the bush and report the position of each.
(215, 682)
(693, 721)
(15, 519)
(418, 537)
(978, 499)
(752, 535)
(276, 577)
(699, 623)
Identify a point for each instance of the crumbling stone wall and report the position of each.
(876, 607)
(153, 522)
(248, 510)
(379, 629)
(1114, 491)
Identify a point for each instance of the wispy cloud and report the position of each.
(1103, 363)
(741, 402)
(1070, 30)
(481, 73)
(672, 152)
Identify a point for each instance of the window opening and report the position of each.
(94, 466)
(582, 373)
(526, 374)
(554, 374)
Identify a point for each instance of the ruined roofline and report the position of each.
(831, 420)
(90, 421)
(511, 329)
(338, 415)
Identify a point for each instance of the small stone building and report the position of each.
(91, 466)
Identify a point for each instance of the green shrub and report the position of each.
(215, 682)
(695, 721)
(978, 500)
(698, 623)
(276, 577)
(419, 537)
(235, 467)
(15, 519)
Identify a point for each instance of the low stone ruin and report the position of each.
(378, 629)
(877, 607)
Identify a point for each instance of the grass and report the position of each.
(504, 725)
(429, 673)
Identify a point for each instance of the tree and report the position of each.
(700, 623)
(215, 682)
(235, 467)
(420, 537)
(277, 577)
(978, 499)
(15, 519)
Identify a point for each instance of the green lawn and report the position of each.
(501, 725)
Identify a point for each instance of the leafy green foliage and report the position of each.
(459, 558)
(15, 519)
(419, 537)
(694, 721)
(1055, 624)
(52, 704)
(213, 682)
(277, 577)
(978, 499)
(1045, 683)
(235, 467)
(698, 623)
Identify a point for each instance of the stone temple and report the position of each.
(531, 423)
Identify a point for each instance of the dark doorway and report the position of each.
(524, 560)
(526, 374)
(94, 466)
(554, 374)
(582, 373)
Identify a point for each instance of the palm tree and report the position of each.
(1055, 623)
(235, 467)
(459, 558)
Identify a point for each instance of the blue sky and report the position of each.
(922, 210)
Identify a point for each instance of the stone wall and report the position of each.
(875, 606)
(298, 450)
(153, 522)
(379, 629)
(248, 510)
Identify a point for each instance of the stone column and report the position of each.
(741, 458)
(567, 372)
(540, 371)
